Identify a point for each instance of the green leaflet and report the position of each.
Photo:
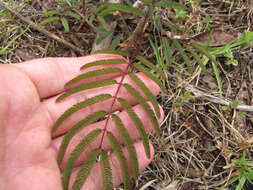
(93, 73)
(128, 144)
(49, 20)
(103, 62)
(138, 123)
(149, 74)
(75, 154)
(182, 53)
(85, 169)
(197, 58)
(65, 24)
(202, 50)
(147, 92)
(79, 106)
(107, 12)
(122, 8)
(212, 57)
(151, 65)
(51, 13)
(123, 53)
(145, 105)
(72, 14)
(103, 36)
(147, 2)
(167, 53)
(170, 4)
(80, 125)
(106, 172)
(86, 87)
(122, 159)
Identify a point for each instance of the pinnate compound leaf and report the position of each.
(145, 105)
(122, 160)
(150, 75)
(79, 106)
(93, 73)
(85, 169)
(86, 87)
(128, 144)
(138, 123)
(103, 62)
(147, 92)
(80, 125)
(75, 154)
(151, 66)
(106, 172)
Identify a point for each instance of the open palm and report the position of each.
(28, 110)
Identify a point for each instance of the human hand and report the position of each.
(28, 110)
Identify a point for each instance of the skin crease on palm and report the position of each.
(28, 110)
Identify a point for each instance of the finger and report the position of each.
(57, 109)
(50, 74)
(94, 181)
(128, 123)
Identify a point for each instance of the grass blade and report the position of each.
(151, 65)
(198, 59)
(182, 53)
(65, 24)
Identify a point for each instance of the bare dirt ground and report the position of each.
(199, 137)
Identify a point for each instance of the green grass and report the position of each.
(243, 173)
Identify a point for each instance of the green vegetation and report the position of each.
(241, 173)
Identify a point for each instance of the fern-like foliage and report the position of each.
(133, 63)
(99, 152)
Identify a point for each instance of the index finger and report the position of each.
(50, 74)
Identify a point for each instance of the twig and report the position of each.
(45, 32)
(217, 100)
